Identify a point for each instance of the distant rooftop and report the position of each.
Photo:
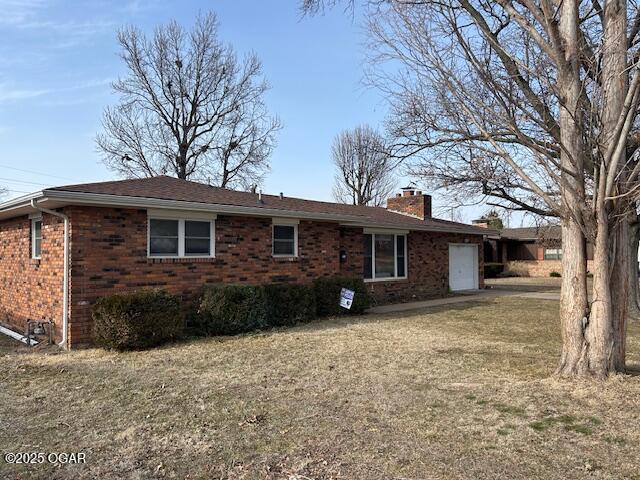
(550, 232)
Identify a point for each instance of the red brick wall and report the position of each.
(427, 265)
(537, 268)
(109, 254)
(30, 288)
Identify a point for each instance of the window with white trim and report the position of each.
(285, 240)
(553, 254)
(169, 237)
(36, 237)
(385, 256)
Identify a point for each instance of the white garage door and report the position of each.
(463, 267)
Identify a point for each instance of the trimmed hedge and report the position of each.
(493, 269)
(136, 320)
(327, 293)
(230, 309)
(224, 309)
(288, 304)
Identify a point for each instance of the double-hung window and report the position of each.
(36, 237)
(385, 256)
(285, 239)
(180, 237)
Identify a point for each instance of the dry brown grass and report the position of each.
(531, 284)
(456, 392)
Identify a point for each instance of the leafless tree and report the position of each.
(188, 107)
(533, 103)
(364, 169)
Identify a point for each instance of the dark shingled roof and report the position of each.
(549, 232)
(170, 188)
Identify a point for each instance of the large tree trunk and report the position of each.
(615, 86)
(597, 351)
(595, 344)
(634, 287)
(620, 291)
(574, 308)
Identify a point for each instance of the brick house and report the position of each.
(528, 251)
(178, 235)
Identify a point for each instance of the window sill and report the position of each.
(388, 279)
(180, 259)
(290, 258)
(35, 261)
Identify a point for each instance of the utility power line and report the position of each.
(15, 180)
(38, 173)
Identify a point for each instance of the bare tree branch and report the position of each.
(188, 107)
(364, 169)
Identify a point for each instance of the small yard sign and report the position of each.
(346, 298)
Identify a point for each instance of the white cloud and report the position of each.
(17, 12)
(9, 94)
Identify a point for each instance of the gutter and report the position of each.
(17, 336)
(101, 199)
(65, 288)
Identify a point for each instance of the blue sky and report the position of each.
(57, 59)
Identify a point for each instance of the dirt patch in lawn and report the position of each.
(462, 391)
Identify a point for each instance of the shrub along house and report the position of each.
(63, 248)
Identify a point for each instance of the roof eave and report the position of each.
(99, 199)
(15, 206)
(57, 198)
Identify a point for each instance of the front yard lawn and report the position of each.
(463, 391)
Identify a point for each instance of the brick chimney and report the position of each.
(411, 202)
(480, 223)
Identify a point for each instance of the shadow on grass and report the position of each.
(633, 370)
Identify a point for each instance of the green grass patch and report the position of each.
(569, 423)
(583, 429)
(620, 441)
(509, 409)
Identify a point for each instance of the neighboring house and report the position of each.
(178, 235)
(528, 251)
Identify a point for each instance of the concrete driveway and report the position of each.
(524, 287)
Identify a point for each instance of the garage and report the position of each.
(463, 267)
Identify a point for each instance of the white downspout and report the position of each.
(65, 288)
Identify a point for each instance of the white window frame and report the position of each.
(557, 255)
(34, 220)
(395, 234)
(181, 218)
(285, 222)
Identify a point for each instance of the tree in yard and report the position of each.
(364, 169)
(189, 108)
(493, 220)
(534, 104)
